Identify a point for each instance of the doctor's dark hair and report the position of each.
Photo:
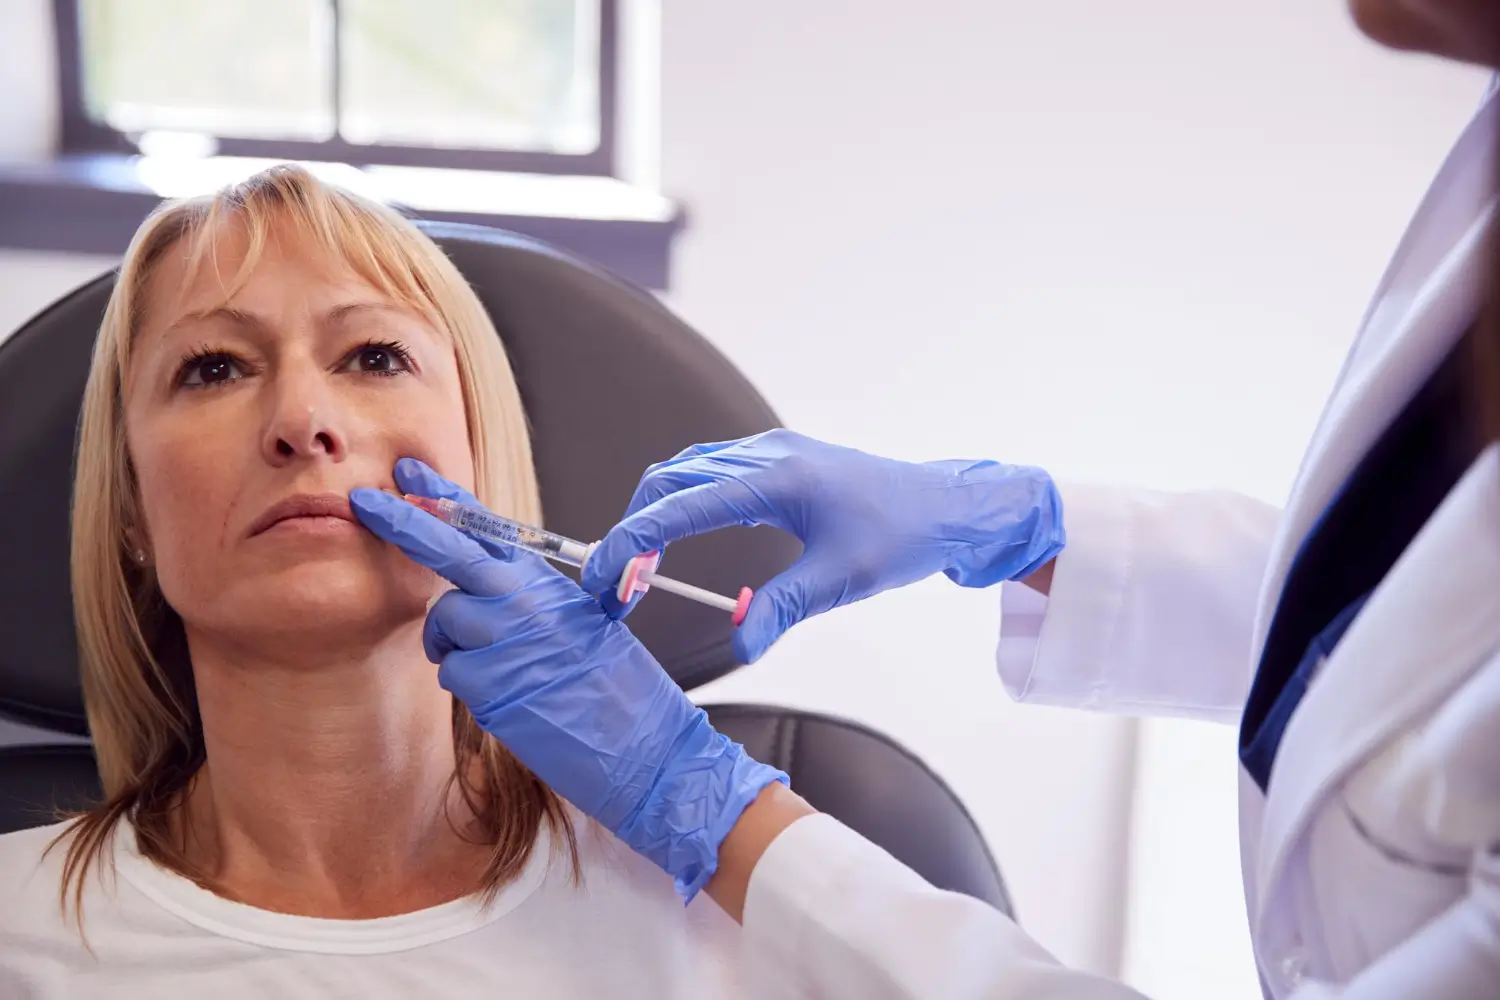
(137, 677)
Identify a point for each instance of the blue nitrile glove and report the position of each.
(867, 524)
(569, 690)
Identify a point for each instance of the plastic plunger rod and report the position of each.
(640, 576)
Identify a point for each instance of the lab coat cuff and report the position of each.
(1048, 642)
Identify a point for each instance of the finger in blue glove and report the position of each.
(867, 524)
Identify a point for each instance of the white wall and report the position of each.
(1128, 241)
(29, 281)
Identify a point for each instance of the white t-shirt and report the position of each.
(621, 932)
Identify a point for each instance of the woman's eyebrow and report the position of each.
(341, 312)
(408, 320)
(251, 321)
(236, 316)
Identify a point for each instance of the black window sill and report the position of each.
(93, 204)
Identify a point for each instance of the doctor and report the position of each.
(1353, 636)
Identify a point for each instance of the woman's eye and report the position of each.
(210, 369)
(380, 359)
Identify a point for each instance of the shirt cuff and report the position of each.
(1022, 611)
(1050, 645)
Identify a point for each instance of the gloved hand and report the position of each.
(569, 690)
(867, 524)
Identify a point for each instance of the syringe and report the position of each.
(640, 573)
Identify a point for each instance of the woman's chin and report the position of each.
(330, 596)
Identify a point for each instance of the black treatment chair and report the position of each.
(579, 339)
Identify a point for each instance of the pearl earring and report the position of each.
(140, 556)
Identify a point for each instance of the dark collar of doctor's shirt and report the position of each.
(1395, 488)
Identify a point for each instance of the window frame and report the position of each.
(81, 135)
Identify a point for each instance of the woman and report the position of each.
(1367, 615)
(294, 806)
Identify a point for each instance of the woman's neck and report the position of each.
(327, 789)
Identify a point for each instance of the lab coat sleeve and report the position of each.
(1152, 605)
(830, 915)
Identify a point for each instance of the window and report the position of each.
(515, 102)
(520, 85)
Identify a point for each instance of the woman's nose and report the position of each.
(304, 422)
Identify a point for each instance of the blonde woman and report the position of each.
(295, 807)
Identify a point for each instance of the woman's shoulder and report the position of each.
(616, 882)
(31, 866)
(608, 869)
(621, 911)
(31, 847)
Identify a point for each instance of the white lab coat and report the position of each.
(1372, 867)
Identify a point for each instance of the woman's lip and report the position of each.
(314, 524)
(304, 507)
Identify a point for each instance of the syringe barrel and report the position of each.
(483, 522)
(478, 521)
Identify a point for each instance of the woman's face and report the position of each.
(250, 419)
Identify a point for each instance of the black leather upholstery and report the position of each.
(39, 784)
(583, 344)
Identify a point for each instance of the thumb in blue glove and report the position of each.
(867, 524)
(571, 692)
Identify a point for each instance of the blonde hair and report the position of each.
(137, 678)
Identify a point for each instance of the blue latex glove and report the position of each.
(569, 690)
(867, 524)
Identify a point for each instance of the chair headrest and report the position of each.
(611, 382)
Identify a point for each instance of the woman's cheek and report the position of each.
(181, 525)
(186, 487)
